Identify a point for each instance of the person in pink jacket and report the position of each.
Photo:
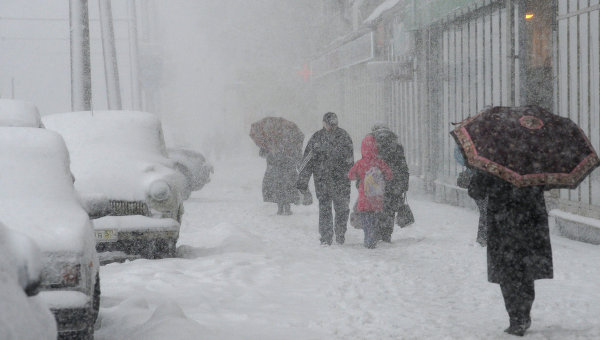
(372, 173)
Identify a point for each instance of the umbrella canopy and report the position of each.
(277, 134)
(526, 146)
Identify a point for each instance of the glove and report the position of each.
(300, 185)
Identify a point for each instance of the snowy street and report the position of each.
(246, 273)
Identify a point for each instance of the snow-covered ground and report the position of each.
(247, 273)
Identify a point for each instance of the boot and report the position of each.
(518, 326)
(287, 209)
(279, 209)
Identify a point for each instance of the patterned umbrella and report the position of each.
(277, 134)
(526, 146)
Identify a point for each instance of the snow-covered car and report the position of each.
(23, 315)
(194, 166)
(19, 113)
(38, 199)
(122, 155)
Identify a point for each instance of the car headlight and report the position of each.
(62, 275)
(160, 191)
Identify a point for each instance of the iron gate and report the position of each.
(477, 70)
(577, 81)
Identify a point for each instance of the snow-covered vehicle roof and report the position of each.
(37, 196)
(117, 153)
(19, 113)
(21, 317)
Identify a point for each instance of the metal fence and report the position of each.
(577, 82)
(475, 73)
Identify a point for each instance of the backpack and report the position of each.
(374, 183)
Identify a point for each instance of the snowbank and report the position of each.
(21, 317)
(247, 273)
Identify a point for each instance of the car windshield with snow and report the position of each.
(122, 155)
(38, 199)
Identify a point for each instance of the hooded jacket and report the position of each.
(392, 152)
(369, 159)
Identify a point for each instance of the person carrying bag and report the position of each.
(404, 216)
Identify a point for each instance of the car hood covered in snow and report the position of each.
(117, 153)
(37, 196)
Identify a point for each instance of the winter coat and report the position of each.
(392, 153)
(518, 245)
(332, 157)
(369, 159)
(279, 181)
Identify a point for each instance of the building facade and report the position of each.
(422, 65)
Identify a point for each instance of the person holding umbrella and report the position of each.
(328, 157)
(280, 142)
(516, 153)
(464, 178)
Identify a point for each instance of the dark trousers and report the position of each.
(518, 299)
(370, 225)
(327, 225)
(482, 228)
(386, 224)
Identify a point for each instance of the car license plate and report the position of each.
(108, 235)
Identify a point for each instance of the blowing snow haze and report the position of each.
(195, 58)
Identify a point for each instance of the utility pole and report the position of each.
(111, 71)
(81, 76)
(136, 95)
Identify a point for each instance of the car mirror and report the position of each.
(33, 287)
(96, 205)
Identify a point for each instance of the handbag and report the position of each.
(306, 197)
(404, 216)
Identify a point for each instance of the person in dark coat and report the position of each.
(328, 157)
(392, 153)
(464, 178)
(280, 178)
(518, 245)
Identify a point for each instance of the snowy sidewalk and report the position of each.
(246, 273)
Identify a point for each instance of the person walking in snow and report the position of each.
(373, 174)
(328, 156)
(392, 153)
(464, 178)
(518, 243)
(280, 178)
